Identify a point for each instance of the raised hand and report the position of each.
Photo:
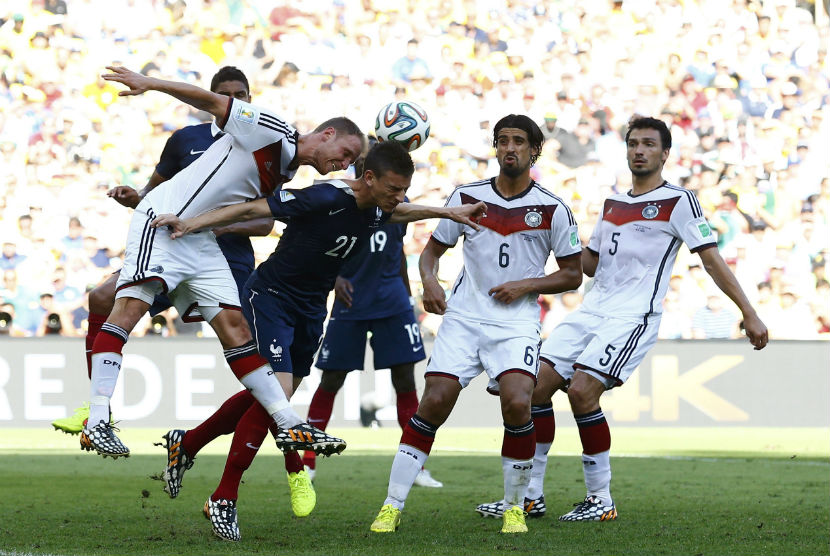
(135, 81)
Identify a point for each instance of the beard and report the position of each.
(514, 171)
(642, 171)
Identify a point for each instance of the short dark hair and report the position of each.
(646, 122)
(389, 156)
(229, 73)
(520, 121)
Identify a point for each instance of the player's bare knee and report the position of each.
(403, 378)
(102, 298)
(582, 399)
(332, 381)
(127, 311)
(231, 328)
(516, 409)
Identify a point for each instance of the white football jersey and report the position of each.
(250, 160)
(637, 239)
(514, 242)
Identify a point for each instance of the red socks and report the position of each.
(250, 433)
(223, 421)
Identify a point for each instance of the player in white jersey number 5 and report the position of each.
(630, 255)
(491, 321)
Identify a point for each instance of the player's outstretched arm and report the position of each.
(714, 264)
(469, 215)
(252, 228)
(128, 197)
(435, 301)
(195, 96)
(240, 212)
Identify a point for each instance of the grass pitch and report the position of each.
(678, 491)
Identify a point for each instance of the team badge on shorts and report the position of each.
(650, 212)
(533, 219)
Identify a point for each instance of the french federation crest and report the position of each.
(650, 212)
(533, 219)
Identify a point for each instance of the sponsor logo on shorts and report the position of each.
(158, 269)
(192, 152)
(251, 446)
(245, 115)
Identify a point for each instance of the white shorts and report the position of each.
(192, 269)
(608, 349)
(464, 348)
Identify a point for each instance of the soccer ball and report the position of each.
(403, 122)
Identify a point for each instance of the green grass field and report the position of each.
(678, 491)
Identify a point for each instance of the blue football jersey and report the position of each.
(182, 148)
(375, 274)
(325, 229)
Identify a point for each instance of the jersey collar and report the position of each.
(518, 196)
(630, 194)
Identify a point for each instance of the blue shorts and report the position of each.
(287, 338)
(395, 340)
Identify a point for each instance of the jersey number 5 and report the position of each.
(614, 236)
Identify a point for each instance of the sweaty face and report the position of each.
(387, 190)
(513, 151)
(645, 152)
(337, 152)
(235, 89)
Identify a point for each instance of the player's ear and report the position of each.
(369, 177)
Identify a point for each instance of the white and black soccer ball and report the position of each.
(403, 122)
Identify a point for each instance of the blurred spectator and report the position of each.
(746, 95)
(8, 326)
(714, 320)
(411, 65)
(10, 258)
(675, 324)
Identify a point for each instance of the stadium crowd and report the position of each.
(743, 84)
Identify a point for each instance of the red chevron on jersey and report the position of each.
(506, 221)
(619, 213)
(268, 165)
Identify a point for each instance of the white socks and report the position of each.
(268, 392)
(597, 470)
(105, 369)
(516, 479)
(405, 467)
(536, 488)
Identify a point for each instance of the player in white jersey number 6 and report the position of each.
(630, 255)
(491, 321)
